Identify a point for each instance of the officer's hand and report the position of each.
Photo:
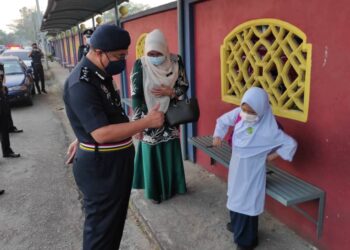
(155, 117)
(72, 149)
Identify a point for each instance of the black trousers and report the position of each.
(10, 121)
(5, 137)
(39, 75)
(105, 180)
(245, 229)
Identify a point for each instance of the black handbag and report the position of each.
(182, 111)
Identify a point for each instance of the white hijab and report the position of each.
(263, 136)
(154, 76)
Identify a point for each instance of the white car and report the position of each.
(21, 53)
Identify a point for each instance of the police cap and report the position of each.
(109, 37)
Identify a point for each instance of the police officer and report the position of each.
(103, 162)
(84, 49)
(4, 119)
(36, 56)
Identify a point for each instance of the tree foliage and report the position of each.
(133, 8)
(24, 29)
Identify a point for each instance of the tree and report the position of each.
(7, 38)
(133, 8)
(25, 29)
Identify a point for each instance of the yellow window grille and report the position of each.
(140, 45)
(271, 54)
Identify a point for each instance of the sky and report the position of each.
(10, 11)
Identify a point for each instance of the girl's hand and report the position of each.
(217, 141)
(162, 91)
(72, 149)
(272, 156)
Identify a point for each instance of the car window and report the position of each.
(12, 67)
(21, 54)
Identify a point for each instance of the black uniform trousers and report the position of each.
(245, 229)
(105, 180)
(4, 130)
(39, 75)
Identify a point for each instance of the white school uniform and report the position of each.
(251, 145)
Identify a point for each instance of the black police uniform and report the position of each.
(36, 56)
(84, 49)
(103, 175)
(5, 113)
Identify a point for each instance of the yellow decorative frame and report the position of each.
(140, 45)
(271, 54)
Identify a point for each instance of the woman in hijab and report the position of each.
(256, 139)
(157, 78)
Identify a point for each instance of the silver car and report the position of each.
(21, 53)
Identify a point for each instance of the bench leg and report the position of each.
(320, 218)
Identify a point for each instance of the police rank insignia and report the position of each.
(85, 74)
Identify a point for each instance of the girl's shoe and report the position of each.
(229, 227)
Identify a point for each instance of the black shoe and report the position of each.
(2, 192)
(244, 248)
(44, 91)
(229, 227)
(11, 155)
(15, 130)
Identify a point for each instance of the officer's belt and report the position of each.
(106, 147)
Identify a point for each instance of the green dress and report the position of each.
(159, 166)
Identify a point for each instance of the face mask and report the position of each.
(156, 60)
(248, 117)
(88, 40)
(115, 67)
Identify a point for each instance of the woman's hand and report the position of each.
(138, 136)
(162, 91)
(72, 149)
(217, 141)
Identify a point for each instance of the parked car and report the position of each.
(2, 48)
(18, 80)
(21, 53)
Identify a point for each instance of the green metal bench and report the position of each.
(280, 185)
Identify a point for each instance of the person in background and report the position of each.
(256, 139)
(4, 119)
(36, 54)
(84, 49)
(158, 77)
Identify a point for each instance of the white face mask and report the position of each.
(156, 60)
(88, 40)
(249, 117)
